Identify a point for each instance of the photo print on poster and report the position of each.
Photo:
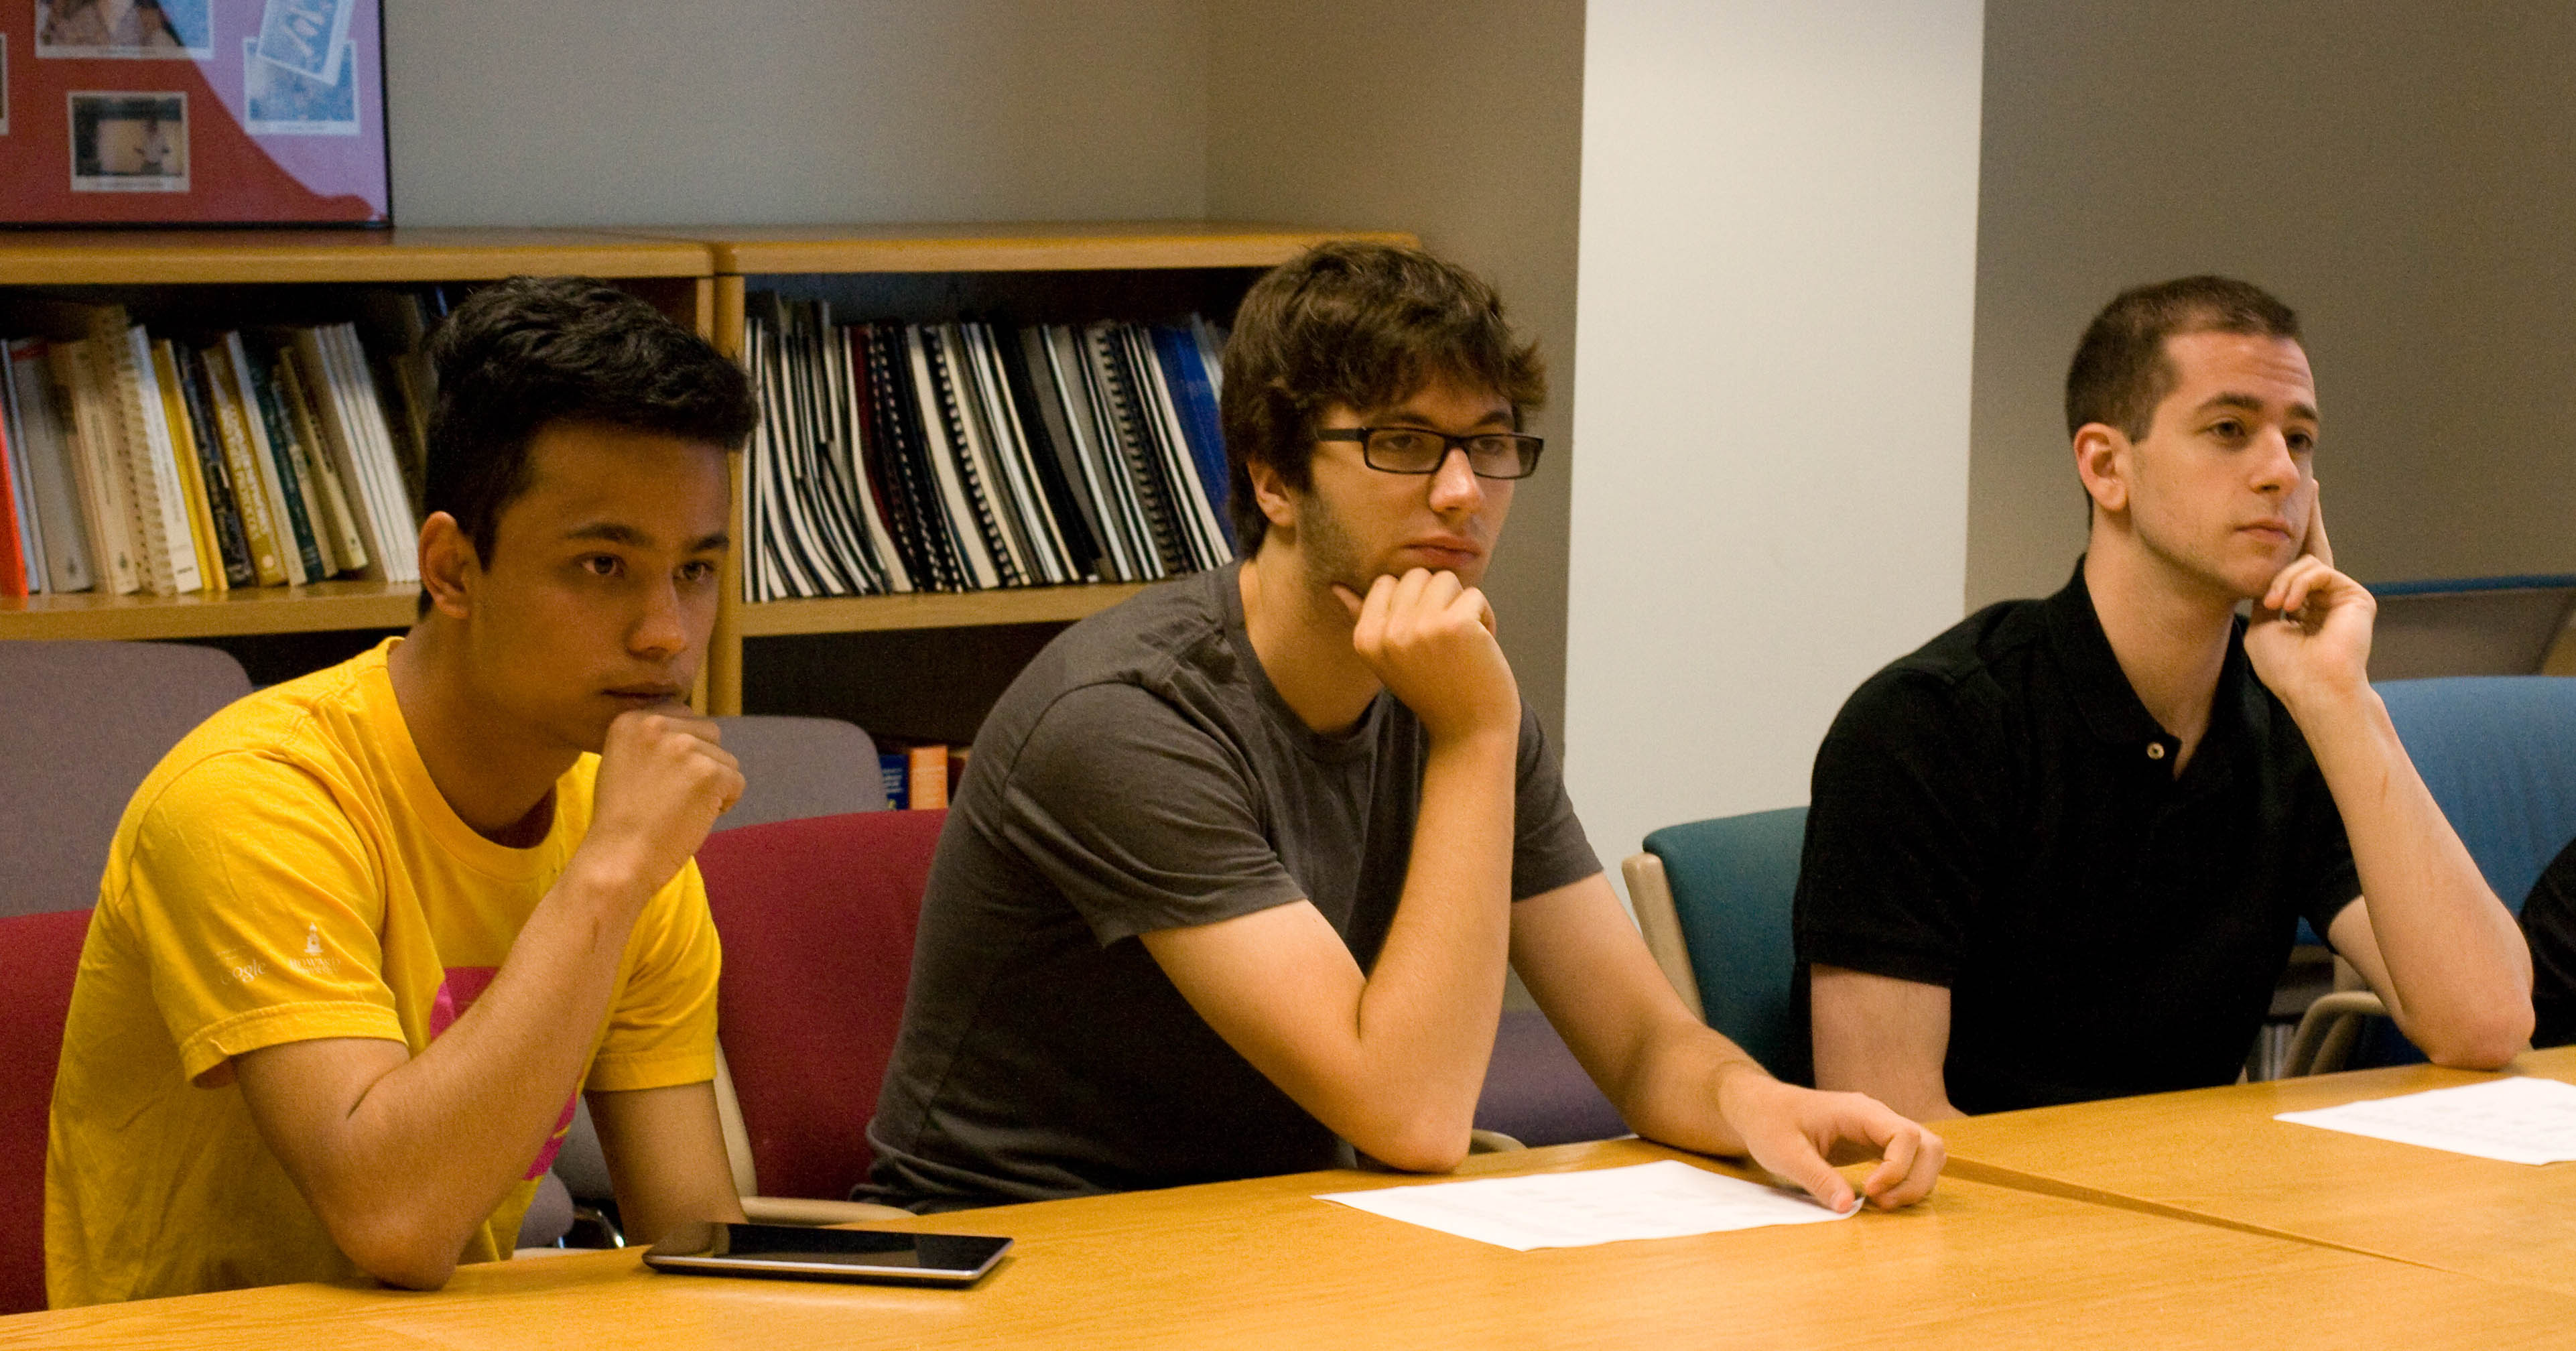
(276, 101)
(125, 142)
(307, 37)
(128, 30)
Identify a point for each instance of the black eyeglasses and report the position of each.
(1413, 450)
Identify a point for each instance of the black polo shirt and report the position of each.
(1997, 814)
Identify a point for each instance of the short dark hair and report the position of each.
(1365, 326)
(2121, 371)
(530, 351)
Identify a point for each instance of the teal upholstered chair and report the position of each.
(2498, 753)
(1713, 898)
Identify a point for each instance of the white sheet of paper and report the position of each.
(1666, 1199)
(2517, 1120)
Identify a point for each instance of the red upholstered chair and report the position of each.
(817, 917)
(35, 994)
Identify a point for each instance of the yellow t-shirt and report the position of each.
(289, 872)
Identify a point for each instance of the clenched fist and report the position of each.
(1430, 640)
(663, 780)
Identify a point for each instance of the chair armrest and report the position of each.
(801, 1210)
(1650, 895)
(2328, 1030)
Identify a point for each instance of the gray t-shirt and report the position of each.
(1143, 774)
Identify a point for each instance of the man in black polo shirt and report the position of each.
(1233, 884)
(2060, 852)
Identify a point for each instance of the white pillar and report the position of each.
(1775, 304)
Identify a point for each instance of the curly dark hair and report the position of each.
(1364, 326)
(2121, 372)
(530, 351)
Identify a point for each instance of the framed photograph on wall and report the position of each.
(193, 112)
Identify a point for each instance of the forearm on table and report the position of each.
(2460, 971)
(1672, 1091)
(1428, 1010)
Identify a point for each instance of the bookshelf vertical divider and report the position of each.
(720, 680)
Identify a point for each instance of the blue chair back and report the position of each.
(1733, 880)
(2499, 754)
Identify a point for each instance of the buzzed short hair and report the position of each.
(1361, 325)
(2121, 371)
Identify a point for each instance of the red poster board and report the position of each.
(192, 112)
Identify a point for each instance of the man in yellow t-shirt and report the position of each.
(363, 935)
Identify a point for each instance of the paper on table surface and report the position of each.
(1665, 1199)
(2517, 1120)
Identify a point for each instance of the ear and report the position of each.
(1270, 492)
(2103, 461)
(448, 566)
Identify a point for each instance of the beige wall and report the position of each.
(596, 113)
(1460, 120)
(2397, 171)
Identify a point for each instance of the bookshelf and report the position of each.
(197, 275)
(699, 275)
(1065, 270)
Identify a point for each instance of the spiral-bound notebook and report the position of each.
(973, 482)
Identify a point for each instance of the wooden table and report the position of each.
(1260, 1264)
(2218, 1153)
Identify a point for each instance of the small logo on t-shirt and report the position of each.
(240, 965)
(314, 962)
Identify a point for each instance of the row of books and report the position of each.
(142, 462)
(965, 456)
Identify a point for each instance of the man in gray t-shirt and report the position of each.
(1232, 884)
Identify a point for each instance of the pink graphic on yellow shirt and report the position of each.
(456, 994)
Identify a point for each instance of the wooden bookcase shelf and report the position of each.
(1099, 246)
(933, 609)
(742, 254)
(200, 257)
(320, 607)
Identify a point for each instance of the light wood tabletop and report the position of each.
(2218, 1153)
(1261, 1264)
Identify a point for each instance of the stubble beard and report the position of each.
(2195, 568)
(1330, 551)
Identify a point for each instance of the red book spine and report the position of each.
(13, 553)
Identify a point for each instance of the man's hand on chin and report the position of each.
(2310, 636)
